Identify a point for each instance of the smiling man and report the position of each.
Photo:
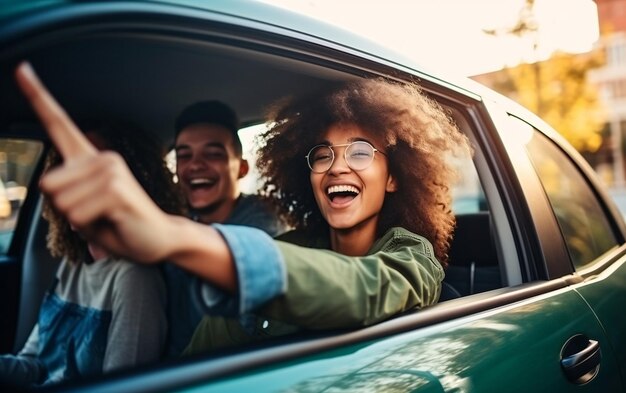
(209, 164)
(209, 160)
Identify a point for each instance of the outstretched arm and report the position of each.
(98, 194)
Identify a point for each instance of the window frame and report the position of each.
(557, 252)
(577, 179)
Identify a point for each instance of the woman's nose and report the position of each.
(339, 165)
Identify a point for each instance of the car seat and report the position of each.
(473, 260)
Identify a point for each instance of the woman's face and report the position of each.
(350, 199)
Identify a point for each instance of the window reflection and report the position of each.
(585, 227)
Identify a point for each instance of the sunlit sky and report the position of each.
(448, 34)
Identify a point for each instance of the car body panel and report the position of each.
(463, 355)
(605, 292)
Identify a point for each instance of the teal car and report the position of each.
(533, 297)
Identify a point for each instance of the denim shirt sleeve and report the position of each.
(24, 369)
(260, 269)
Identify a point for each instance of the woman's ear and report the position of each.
(392, 184)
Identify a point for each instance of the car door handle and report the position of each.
(580, 359)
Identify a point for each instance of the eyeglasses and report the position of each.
(358, 155)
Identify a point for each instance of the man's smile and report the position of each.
(199, 183)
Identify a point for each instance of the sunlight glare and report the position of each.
(447, 35)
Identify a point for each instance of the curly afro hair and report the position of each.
(420, 139)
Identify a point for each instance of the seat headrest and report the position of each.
(473, 241)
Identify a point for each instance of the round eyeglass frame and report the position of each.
(345, 155)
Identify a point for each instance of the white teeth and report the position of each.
(195, 182)
(342, 188)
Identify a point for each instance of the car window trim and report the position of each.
(588, 175)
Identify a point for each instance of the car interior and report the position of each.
(147, 75)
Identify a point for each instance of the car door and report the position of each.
(538, 336)
(514, 348)
(591, 234)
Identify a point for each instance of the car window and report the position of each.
(473, 264)
(18, 159)
(467, 193)
(585, 227)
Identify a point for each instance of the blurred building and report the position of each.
(611, 79)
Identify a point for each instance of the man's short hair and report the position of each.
(210, 112)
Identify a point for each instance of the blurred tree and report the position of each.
(556, 89)
(563, 96)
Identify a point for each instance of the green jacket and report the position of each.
(327, 290)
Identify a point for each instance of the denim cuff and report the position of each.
(261, 272)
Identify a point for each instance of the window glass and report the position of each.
(18, 159)
(585, 227)
(467, 193)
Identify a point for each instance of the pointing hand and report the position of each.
(94, 190)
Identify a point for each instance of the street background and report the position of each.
(565, 60)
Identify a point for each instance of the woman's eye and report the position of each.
(321, 157)
(360, 154)
(322, 154)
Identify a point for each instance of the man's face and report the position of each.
(208, 168)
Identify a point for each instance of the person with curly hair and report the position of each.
(415, 135)
(362, 173)
(102, 313)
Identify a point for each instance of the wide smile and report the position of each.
(342, 194)
(201, 183)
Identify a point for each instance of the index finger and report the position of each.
(65, 135)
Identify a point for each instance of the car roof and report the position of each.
(93, 71)
(250, 10)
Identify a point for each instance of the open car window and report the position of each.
(209, 70)
(474, 261)
(141, 67)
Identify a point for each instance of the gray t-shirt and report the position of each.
(101, 316)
